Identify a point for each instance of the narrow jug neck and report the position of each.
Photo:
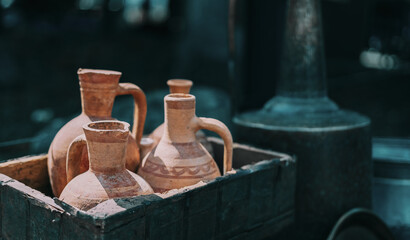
(179, 118)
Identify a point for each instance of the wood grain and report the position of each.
(30, 170)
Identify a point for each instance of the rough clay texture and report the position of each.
(256, 202)
(98, 91)
(179, 159)
(107, 176)
(176, 86)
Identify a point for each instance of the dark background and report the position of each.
(43, 43)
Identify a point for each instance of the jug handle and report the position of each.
(74, 155)
(140, 108)
(223, 131)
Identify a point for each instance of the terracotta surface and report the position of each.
(179, 159)
(179, 85)
(107, 176)
(175, 86)
(98, 91)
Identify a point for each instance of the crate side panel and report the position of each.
(165, 212)
(235, 187)
(285, 183)
(3, 180)
(71, 228)
(271, 229)
(44, 223)
(132, 230)
(202, 199)
(15, 213)
(117, 213)
(202, 225)
(165, 218)
(30, 170)
(1, 209)
(233, 218)
(171, 231)
(261, 196)
(234, 204)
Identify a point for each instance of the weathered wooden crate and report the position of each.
(254, 203)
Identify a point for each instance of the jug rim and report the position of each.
(104, 126)
(98, 71)
(179, 97)
(180, 82)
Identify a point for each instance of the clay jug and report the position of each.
(175, 86)
(98, 91)
(107, 176)
(179, 159)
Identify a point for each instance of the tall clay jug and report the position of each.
(179, 159)
(98, 91)
(175, 86)
(107, 176)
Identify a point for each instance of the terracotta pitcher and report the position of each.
(175, 86)
(98, 91)
(179, 159)
(107, 176)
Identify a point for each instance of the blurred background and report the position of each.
(43, 43)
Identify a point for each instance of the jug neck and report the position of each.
(179, 118)
(107, 145)
(179, 85)
(98, 90)
(97, 102)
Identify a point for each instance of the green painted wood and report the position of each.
(254, 203)
(15, 212)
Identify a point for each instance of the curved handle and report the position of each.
(74, 165)
(140, 108)
(223, 131)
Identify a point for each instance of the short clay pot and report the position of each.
(175, 86)
(107, 176)
(179, 159)
(98, 91)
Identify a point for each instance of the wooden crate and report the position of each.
(255, 202)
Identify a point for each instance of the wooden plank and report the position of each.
(270, 229)
(14, 213)
(30, 170)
